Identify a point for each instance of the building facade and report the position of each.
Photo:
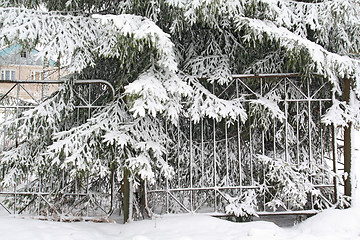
(17, 63)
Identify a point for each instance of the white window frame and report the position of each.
(11, 76)
(34, 73)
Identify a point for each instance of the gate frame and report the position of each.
(168, 191)
(41, 196)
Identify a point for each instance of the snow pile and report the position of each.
(331, 224)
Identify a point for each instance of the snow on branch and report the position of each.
(155, 92)
(77, 39)
(139, 28)
(151, 92)
(341, 113)
(207, 104)
(271, 106)
(334, 23)
(214, 67)
(207, 10)
(112, 136)
(244, 205)
(331, 65)
(72, 37)
(290, 183)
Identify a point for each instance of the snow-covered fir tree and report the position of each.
(174, 58)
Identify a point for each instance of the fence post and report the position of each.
(126, 195)
(347, 140)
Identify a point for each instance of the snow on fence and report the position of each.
(279, 157)
(38, 194)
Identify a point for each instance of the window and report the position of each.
(36, 75)
(23, 54)
(7, 75)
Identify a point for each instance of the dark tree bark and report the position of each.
(347, 141)
(126, 194)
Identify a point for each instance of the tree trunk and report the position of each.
(112, 184)
(334, 163)
(347, 141)
(126, 193)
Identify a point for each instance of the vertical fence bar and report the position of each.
(202, 154)
(286, 121)
(274, 134)
(167, 161)
(191, 166)
(226, 155)
(17, 132)
(310, 136)
(178, 153)
(251, 154)
(297, 134)
(17, 114)
(309, 121)
(262, 127)
(38, 196)
(214, 160)
(76, 189)
(88, 188)
(89, 103)
(334, 155)
(15, 195)
(78, 116)
(239, 135)
(321, 141)
(263, 147)
(214, 165)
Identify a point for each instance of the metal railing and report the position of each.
(20, 95)
(217, 161)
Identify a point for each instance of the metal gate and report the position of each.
(218, 164)
(39, 196)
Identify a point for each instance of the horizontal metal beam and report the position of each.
(261, 75)
(221, 188)
(32, 106)
(267, 75)
(202, 189)
(46, 193)
(62, 81)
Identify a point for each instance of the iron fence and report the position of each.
(216, 162)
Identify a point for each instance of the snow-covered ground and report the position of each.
(330, 224)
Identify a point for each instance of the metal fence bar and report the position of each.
(191, 165)
(321, 141)
(202, 154)
(226, 156)
(297, 134)
(286, 122)
(214, 166)
(167, 162)
(61, 81)
(239, 137)
(178, 156)
(310, 138)
(263, 148)
(251, 154)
